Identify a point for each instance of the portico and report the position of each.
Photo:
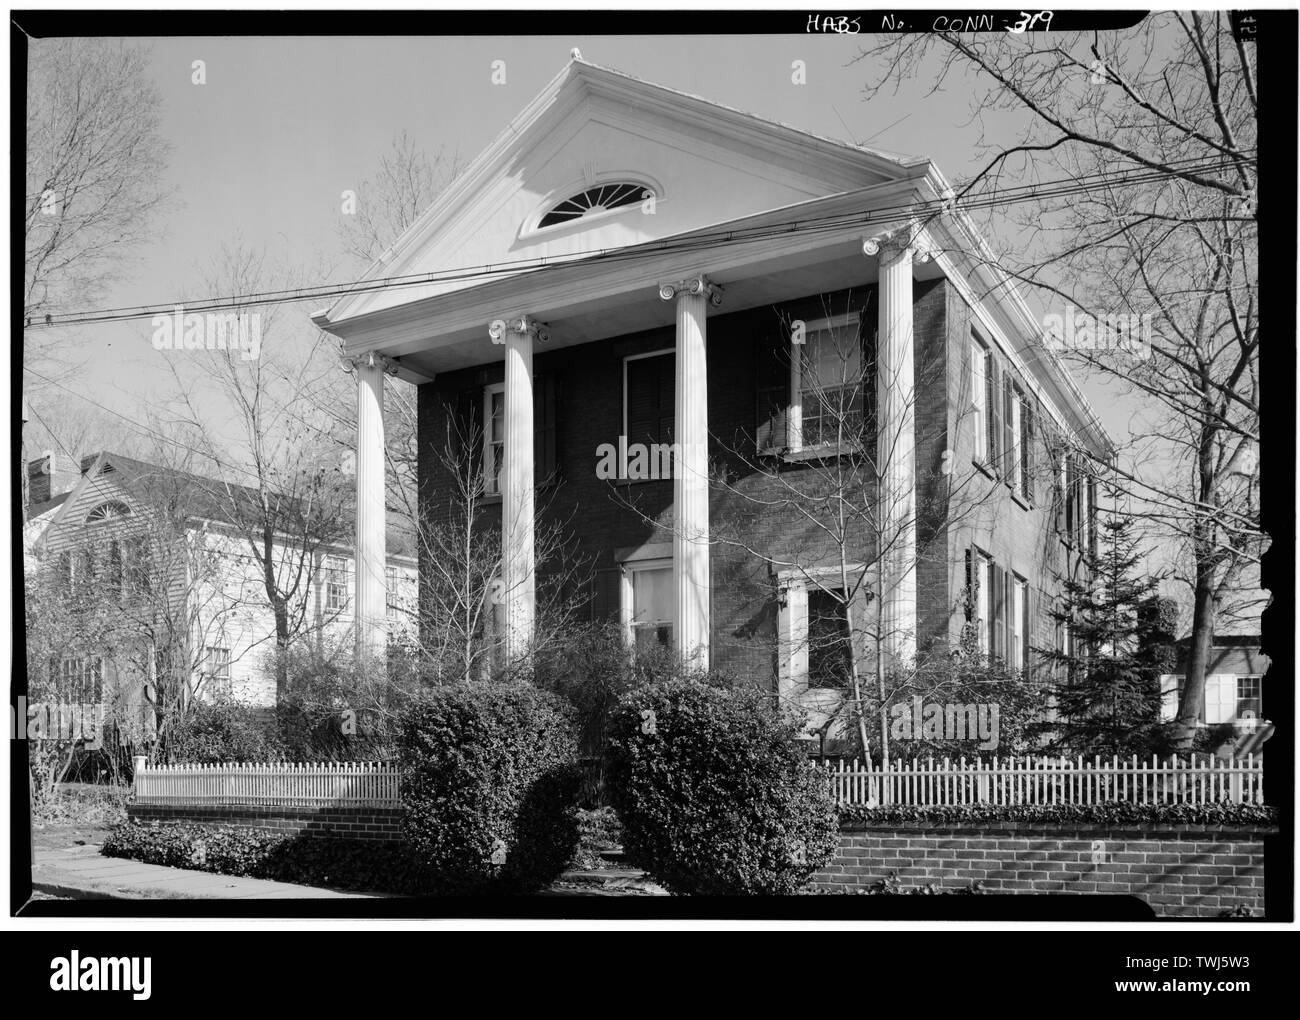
(554, 320)
(568, 232)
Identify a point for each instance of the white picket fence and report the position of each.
(1195, 779)
(294, 784)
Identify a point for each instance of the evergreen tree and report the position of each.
(1107, 690)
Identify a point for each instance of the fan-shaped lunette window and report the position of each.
(107, 511)
(594, 200)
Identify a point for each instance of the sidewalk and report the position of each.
(81, 873)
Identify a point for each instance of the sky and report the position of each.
(262, 152)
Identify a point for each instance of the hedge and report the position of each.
(351, 864)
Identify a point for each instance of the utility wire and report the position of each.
(1063, 188)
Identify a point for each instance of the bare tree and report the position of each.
(405, 183)
(282, 484)
(850, 536)
(94, 171)
(1156, 128)
(461, 612)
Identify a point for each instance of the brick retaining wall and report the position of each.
(1181, 871)
(381, 823)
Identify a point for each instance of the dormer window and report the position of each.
(599, 199)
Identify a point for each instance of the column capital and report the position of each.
(700, 284)
(906, 239)
(498, 328)
(370, 359)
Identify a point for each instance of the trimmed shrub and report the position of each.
(489, 778)
(352, 864)
(714, 792)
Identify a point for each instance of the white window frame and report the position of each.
(211, 677)
(331, 584)
(979, 358)
(490, 443)
(982, 567)
(795, 405)
(626, 592)
(792, 625)
(1259, 680)
(1019, 608)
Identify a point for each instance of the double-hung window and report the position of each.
(647, 603)
(336, 583)
(494, 437)
(827, 388)
(216, 672)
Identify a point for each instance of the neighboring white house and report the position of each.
(105, 533)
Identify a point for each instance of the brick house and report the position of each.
(629, 264)
(100, 532)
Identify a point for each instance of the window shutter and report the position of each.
(1057, 454)
(869, 331)
(1071, 484)
(772, 390)
(1027, 457)
(545, 429)
(650, 398)
(997, 629)
(1080, 504)
(792, 624)
(1008, 424)
(1220, 698)
(605, 595)
(1168, 697)
(993, 403)
(970, 587)
(1008, 613)
(1092, 515)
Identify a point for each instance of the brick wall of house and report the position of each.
(375, 823)
(1020, 536)
(604, 518)
(1182, 871)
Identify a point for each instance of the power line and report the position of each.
(143, 429)
(993, 198)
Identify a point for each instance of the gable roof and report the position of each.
(640, 131)
(202, 497)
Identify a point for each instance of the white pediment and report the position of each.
(703, 163)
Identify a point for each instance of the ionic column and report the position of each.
(518, 569)
(691, 581)
(371, 553)
(896, 441)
